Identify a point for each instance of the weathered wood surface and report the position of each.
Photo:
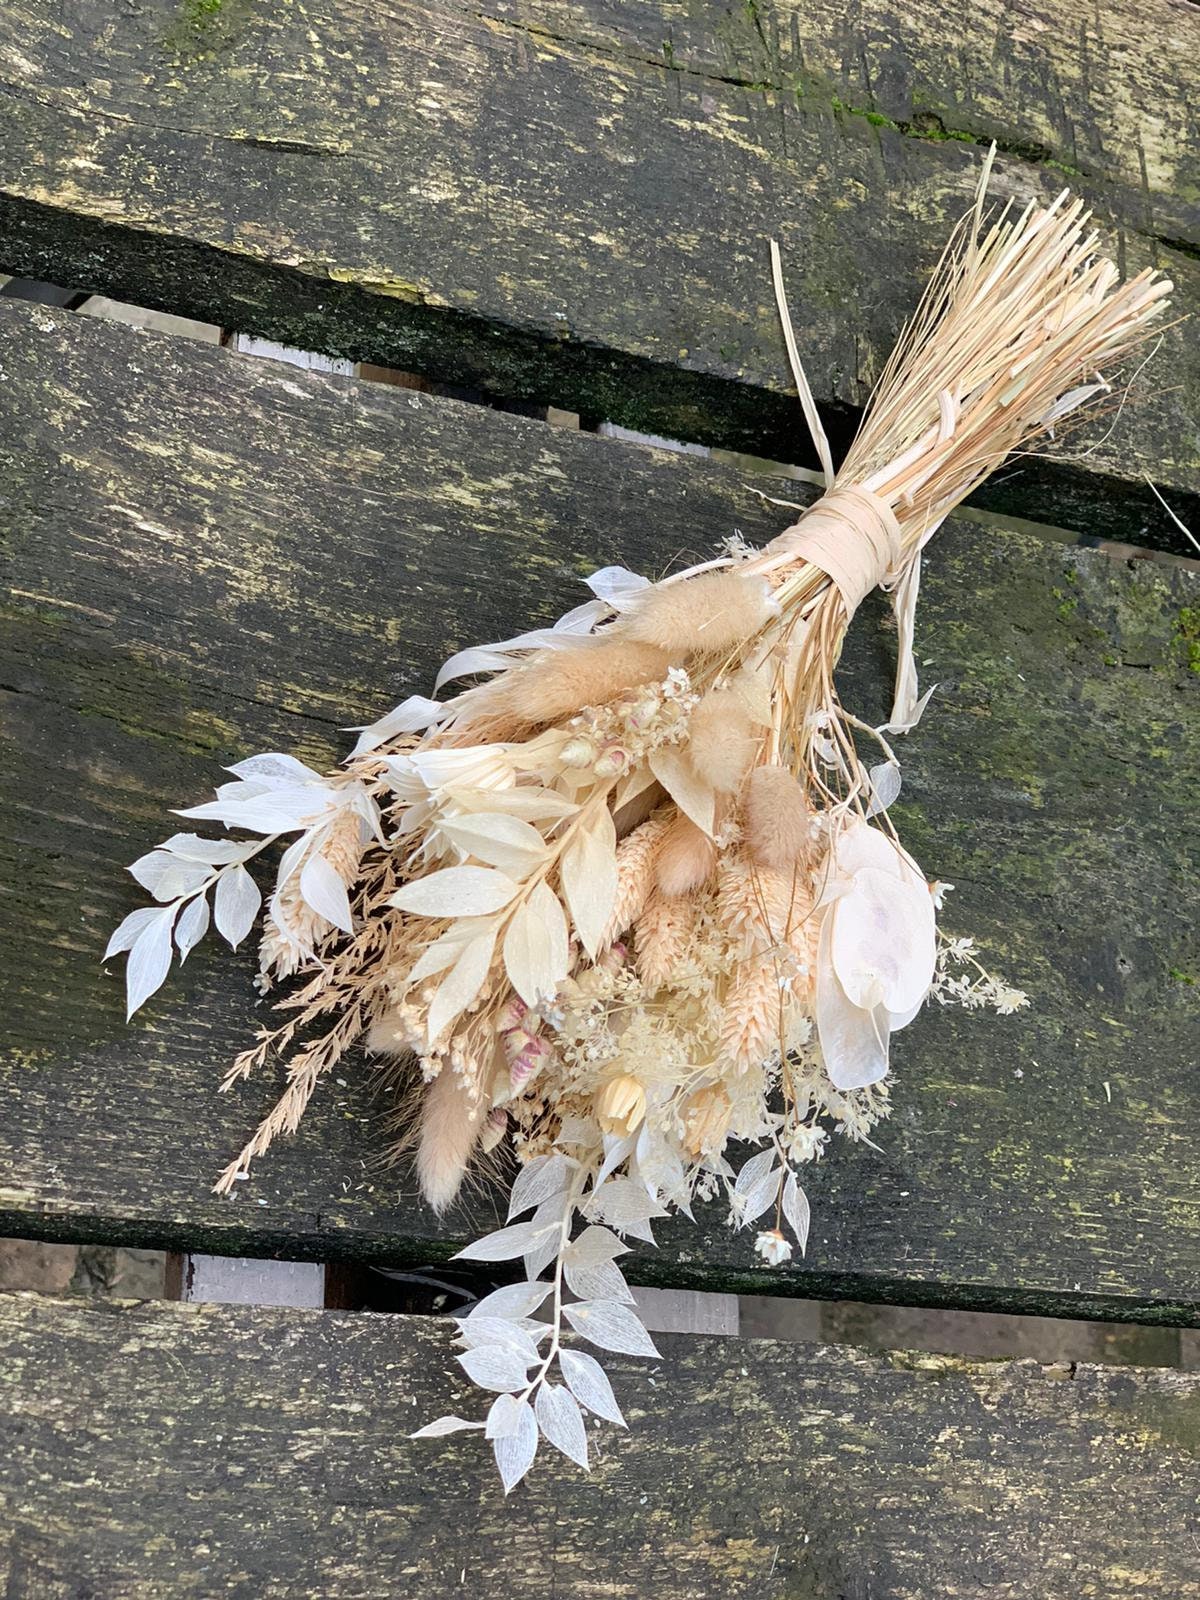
(570, 203)
(210, 555)
(202, 1450)
(1107, 92)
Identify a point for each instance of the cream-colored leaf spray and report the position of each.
(632, 901)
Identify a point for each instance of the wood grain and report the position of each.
(217, 1450)
(570, 203)
(208, 555)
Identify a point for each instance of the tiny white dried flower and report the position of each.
(939, 891)
(772, 1247)
(1010, 1000)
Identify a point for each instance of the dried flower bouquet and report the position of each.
(633, 898)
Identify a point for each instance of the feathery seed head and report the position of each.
(722, 743)
(686, 858)
(701, 615)
(778, 820)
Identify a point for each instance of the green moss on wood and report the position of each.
(1187, 636)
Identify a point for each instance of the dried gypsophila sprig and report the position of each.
(636, 898)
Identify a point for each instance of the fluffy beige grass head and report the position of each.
(701, 615)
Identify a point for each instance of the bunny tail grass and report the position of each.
(449, 1134)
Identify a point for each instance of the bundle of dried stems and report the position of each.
(634, 897)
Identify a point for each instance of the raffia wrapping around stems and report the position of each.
(635, 898)
(852, 536)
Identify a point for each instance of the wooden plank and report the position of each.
(1104, 93)
(209, 555)
(281, 1466)
(569, 204)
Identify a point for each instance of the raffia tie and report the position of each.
(852, 535)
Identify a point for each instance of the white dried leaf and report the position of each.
(504, 1417)
(597, 1280)
(275, 769)
(192, 926)
(497, 657)
(149, 960)
(885, 786)
(588, 1382)
(537, 1259)
(459, 988)
(324, 891)
(456, 892)
(617, 586)
(292, 860)
(883, 941)
(756, 1188)
(168, 876)
(753, 689)
(854, 1042)
(473, 662)
(589, 878)
(561, 1421)
(500, 840)
(694, 797)
(754, 1171)
(578, 1131)
(536, 948)
(538, 1180)
(796, 1210)
(444, 951)
(367, 807)
(625, 1203)
(444, 1425)
(128, 929)
(582, 618)
(215, 852)
(413, 715)
(497, 1333)
(241, 790)
(611, 1326)
(235, 904)
(503, 1245)
(755, 1201)
(513, 1300)
(548, 1224)
(617, 1146)
(479, 766)
(659, 1165)
(275, 811)
(494, 1367)
(631, 785)
(1069, 401)
(515, 1452)
(594, 1245)
(529, 802)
